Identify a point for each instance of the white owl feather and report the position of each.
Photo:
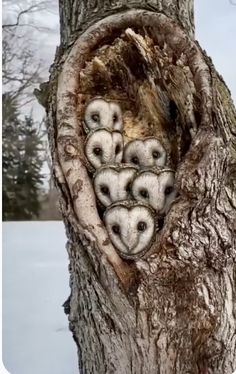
(146, 152)
(156, 188)
(112, 183)
(131, 227)
(103, 146)
(102, 114)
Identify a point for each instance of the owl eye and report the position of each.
(116, 229)
(128, 187)
(135, 160)
(168, 190)
(118, 149)
(95, 117)
(144, 193)
(115, 117)
(156, 154)
(97, 151)
(105, 190)
(141, 226)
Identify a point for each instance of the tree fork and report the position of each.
(171, 311)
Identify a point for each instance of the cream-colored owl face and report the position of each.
(100, 113)
(103, 146)
(155, 189)
(130, 227)
(113, 183)
(143, 153)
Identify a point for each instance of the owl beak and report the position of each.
(159, 204)
(130, 242)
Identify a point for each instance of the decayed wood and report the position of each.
(174, 310)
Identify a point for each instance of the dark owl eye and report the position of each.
(156, 154)
(95, 117)
(116, 229)
(115, 117)
(105, 190)
(135, 160)
(128, 187)
(118, 149)
(97, 151)
(141, 226)
(144, 193)
(168, 190)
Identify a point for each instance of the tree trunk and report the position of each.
(173, 309)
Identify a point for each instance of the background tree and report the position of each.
(10, 154)
(29, 174)
(171, 311)
(21, 72)
(22, 164)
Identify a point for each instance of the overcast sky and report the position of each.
(216, 31)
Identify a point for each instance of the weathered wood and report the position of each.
(172, 311)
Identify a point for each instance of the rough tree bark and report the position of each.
(173, 310)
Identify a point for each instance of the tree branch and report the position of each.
(31, 9)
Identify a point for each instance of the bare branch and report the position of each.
(19, 72)
(33, 8)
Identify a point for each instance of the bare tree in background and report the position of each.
(173, 310)
(21, 73)
(21, 27)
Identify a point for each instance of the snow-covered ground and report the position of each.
(36, 339)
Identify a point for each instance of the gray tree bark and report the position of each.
(172, 311)
(76, 16)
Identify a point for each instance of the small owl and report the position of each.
(146, 152)
(156, 188)
(131, 228)
(112, 183)
(100, 113)
(103, 146)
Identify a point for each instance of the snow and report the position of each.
(36, 339)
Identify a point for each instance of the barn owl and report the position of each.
(103, 146)
(155, 188)
(113, 183)
(131, 227)
(146, 152)
(100, 113)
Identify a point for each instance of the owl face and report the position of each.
(103, 146)
(100, 113)
(147, 152)
(155, 188)
(113, 183)
(131, 227)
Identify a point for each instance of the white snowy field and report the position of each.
(36, 339)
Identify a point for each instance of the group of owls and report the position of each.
(130, 181)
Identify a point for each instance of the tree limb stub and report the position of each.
(166, 87)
